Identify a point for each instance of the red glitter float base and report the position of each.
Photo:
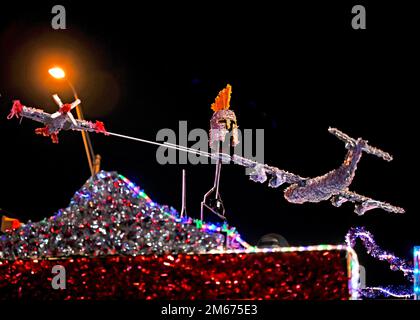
(301, 275)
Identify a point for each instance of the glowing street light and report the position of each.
(57, 73)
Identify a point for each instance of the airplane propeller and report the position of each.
(57, 100)
(61, 105)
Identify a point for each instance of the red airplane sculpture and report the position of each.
(54, 123)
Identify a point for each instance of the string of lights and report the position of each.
(396, 264)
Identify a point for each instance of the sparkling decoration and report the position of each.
(333, 186)
(54, 123)
(115, 242)
(400, 292)
(111, 215)
(312, 273)
(396, 264)
(223, 120)
(417, 272)
(352, 261)
(258, 174)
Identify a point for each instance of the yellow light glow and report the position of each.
(57, 73)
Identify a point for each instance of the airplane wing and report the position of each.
(367, 148)
(258, 173)
(362, 203)
(82, 125)
(35, 114)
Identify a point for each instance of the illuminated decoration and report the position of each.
(223, 121)
(333, 186)
(113, 228)
(352, 260)
(223, 128)
(395, 263)
(124, 245)
(199, 224)
(417, 273)
(399, 292)
(295, 273)
(112, 215)
(54, 123)
(222, 101)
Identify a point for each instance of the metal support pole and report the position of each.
(184, 195)
(93, 167)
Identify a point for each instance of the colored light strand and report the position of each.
(352, 260)
(207, 227)
(111, 215)
(396, 264)
(417, 272)
(353, 270)
(375, 292)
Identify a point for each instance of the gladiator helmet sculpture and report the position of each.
(223, 121)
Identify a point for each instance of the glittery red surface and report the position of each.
(320, 275)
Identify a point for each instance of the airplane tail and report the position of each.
(366, 148)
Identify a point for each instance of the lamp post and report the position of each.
(94, 161)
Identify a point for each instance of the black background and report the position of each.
(295, 69)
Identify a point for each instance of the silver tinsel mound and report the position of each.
(109, 215)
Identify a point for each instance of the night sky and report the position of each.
(295, 71)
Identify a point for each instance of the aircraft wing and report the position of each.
(363, 204)
(82, 125)
(35, 114)
(258, 173)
